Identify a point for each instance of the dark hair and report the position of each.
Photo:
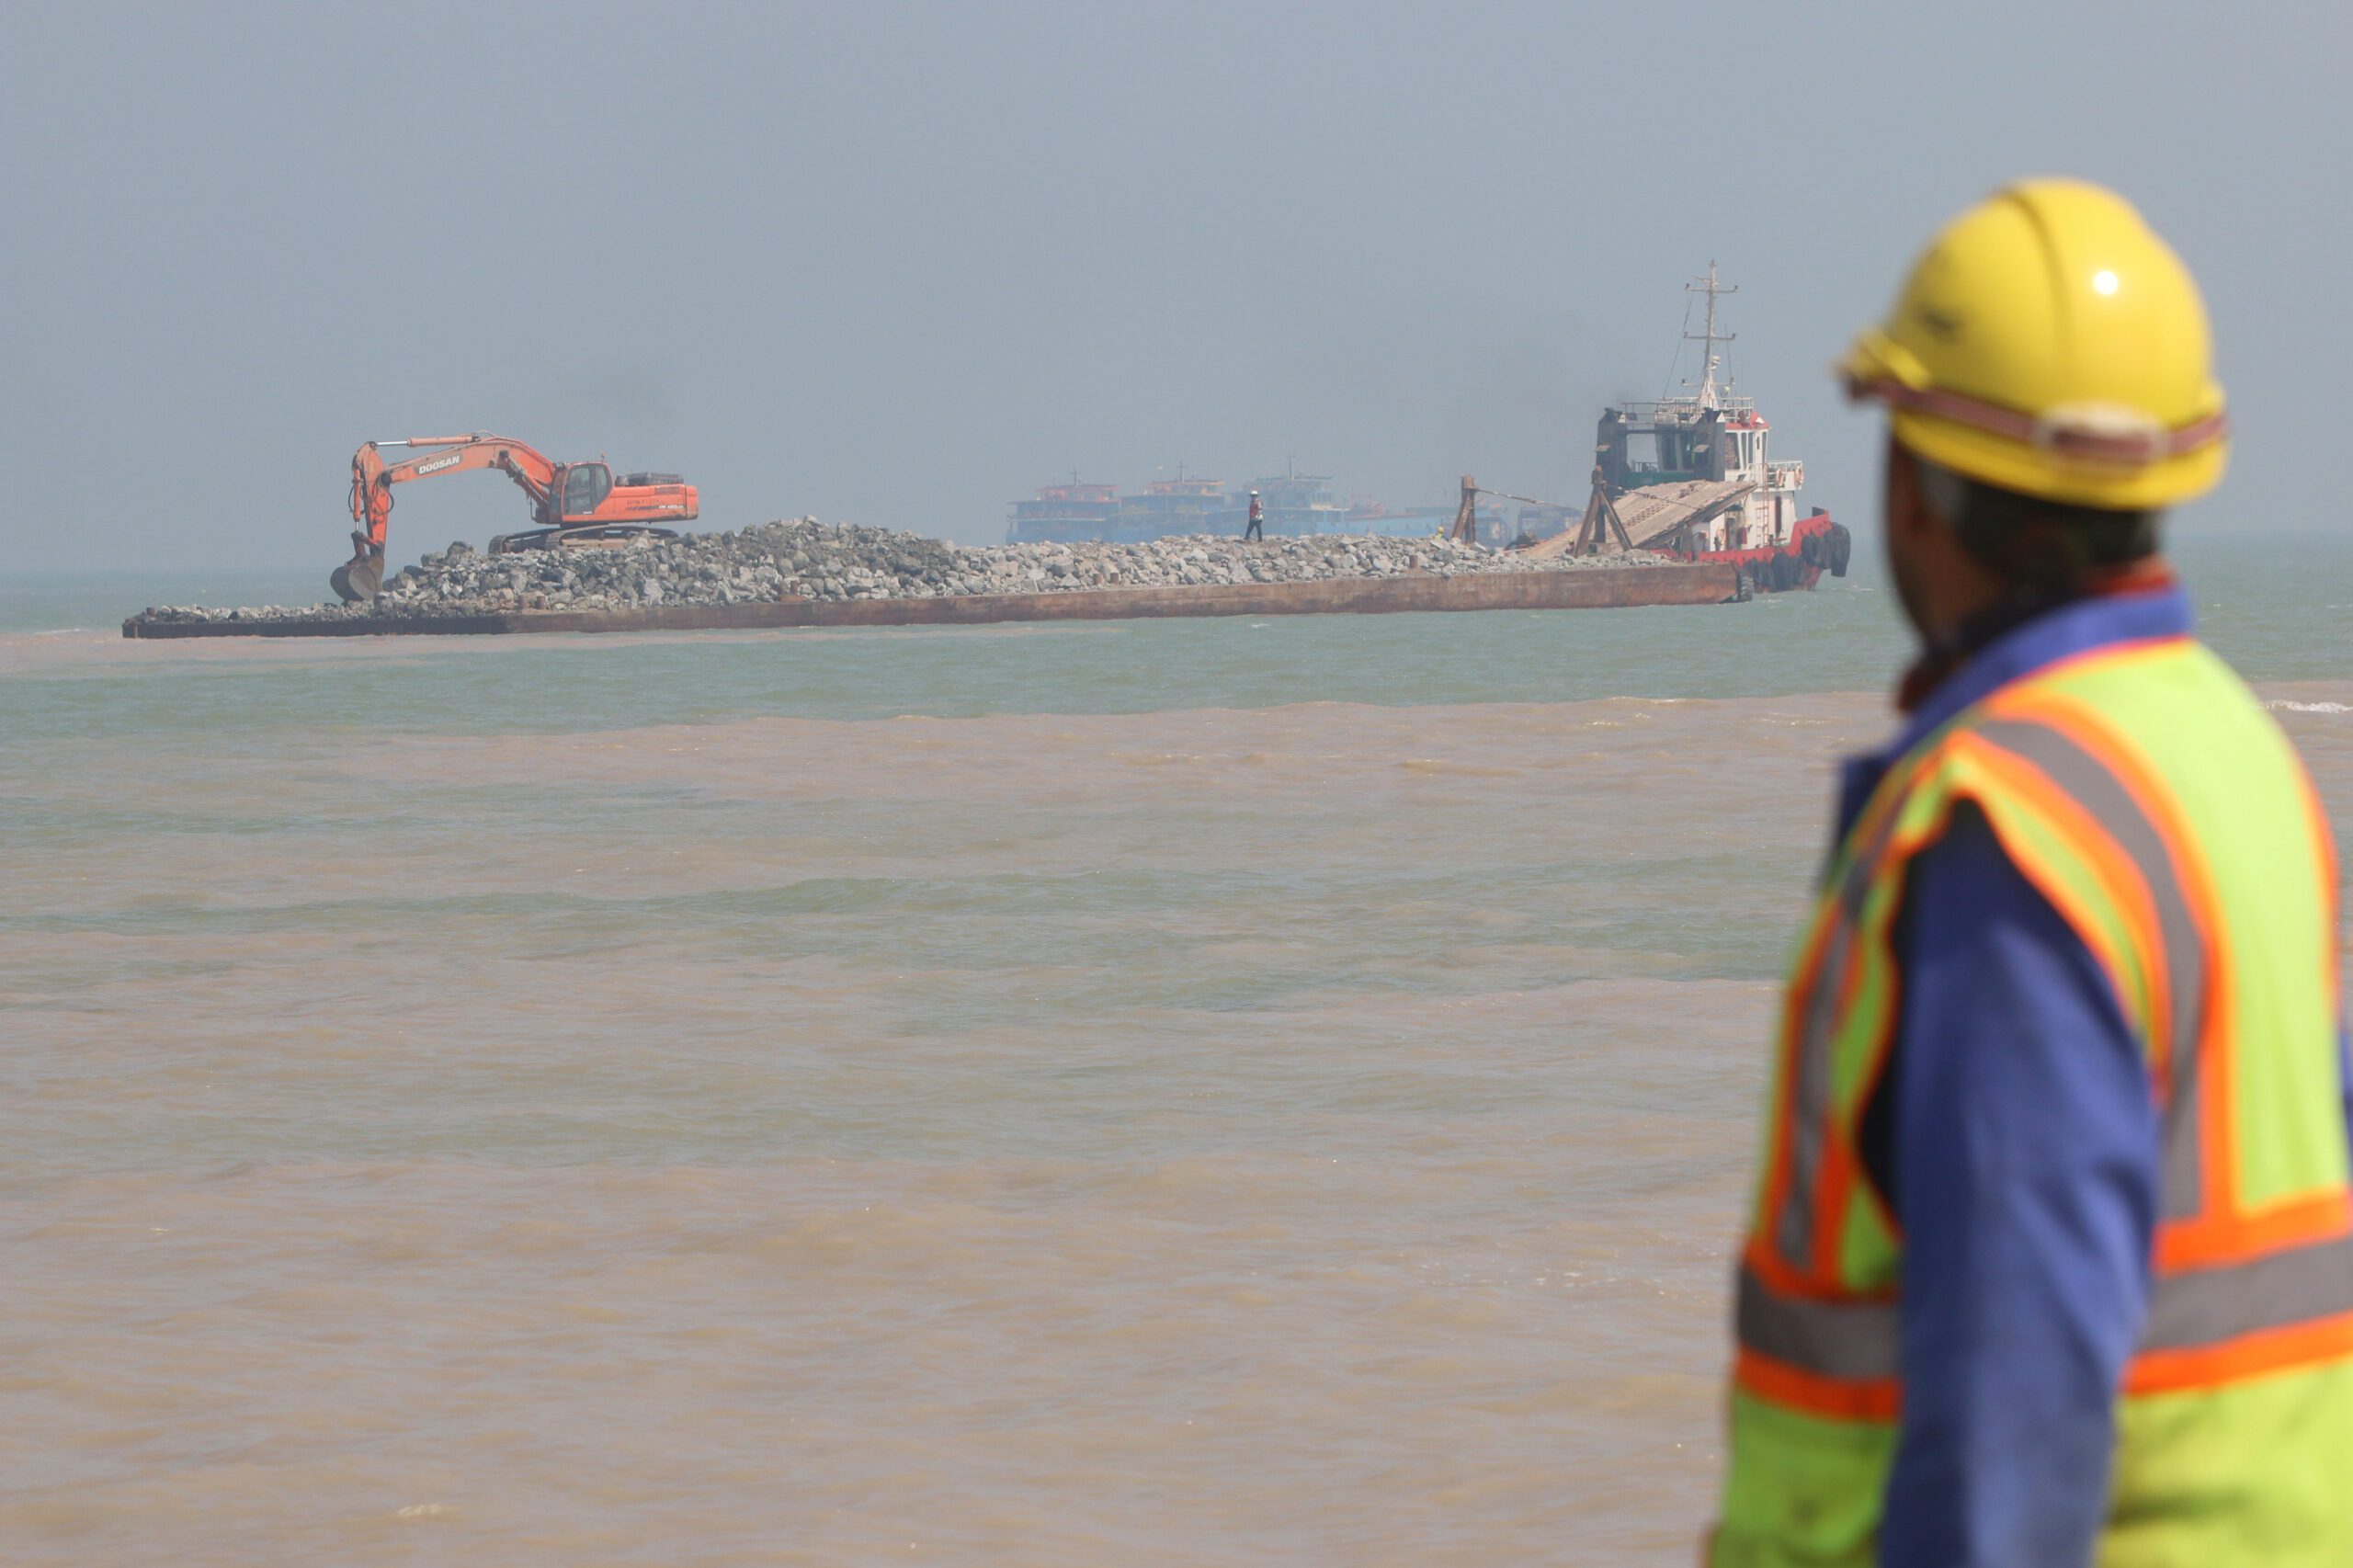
(2032, 542)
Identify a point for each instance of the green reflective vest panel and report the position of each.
(2148, 796)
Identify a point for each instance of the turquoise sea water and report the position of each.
(1184, 1092)
(2282, 608)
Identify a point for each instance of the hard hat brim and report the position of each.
(1874, 357)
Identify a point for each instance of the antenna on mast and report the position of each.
(1711, 336)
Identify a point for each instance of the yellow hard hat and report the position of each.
(2048, 342)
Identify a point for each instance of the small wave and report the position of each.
(2278, 704)
(1459, 770)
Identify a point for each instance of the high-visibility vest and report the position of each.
(2144, 792)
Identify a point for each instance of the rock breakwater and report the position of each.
(805, 559)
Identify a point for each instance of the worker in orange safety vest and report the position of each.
(2051, 1254)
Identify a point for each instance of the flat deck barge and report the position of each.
(1705, 582)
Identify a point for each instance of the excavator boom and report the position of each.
(567, 499)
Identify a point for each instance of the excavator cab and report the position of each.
(586, 485)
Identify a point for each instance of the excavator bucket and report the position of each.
(362, 576)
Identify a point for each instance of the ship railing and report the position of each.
(1686, 407)
(1785, 476)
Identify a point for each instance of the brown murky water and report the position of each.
(1307, 1133)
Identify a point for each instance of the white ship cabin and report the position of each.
(1706, 457)
(1697, 464)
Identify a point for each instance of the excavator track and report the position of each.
(594, 536)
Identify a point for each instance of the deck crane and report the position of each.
(572, 504)
(1465, 527)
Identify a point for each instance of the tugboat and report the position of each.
(1688, 476)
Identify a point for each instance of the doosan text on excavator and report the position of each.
(572, 504)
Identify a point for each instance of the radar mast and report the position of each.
(1708, 286)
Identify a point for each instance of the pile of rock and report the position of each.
(805, 558)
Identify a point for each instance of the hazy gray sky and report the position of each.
(898, 264)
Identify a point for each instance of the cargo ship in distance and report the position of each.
(1690, 476)
(1687, 476)
(1294, 503)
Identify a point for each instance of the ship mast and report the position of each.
(1710, 337)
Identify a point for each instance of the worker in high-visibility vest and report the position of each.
(2050, 1255)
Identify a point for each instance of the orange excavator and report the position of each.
(572, 504)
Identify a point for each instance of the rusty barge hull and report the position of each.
(1600, 588)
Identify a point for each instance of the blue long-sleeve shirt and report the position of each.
(2016, 1137)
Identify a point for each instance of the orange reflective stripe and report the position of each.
(1834, 1175)
(1769, 1265)
(2120, 872)
(1783, 1131)
(2203, 1242)
(1841, 1174)
(1758, 1255)
(2213, 1082)
(2249, 1355)
(1880, 1399)
(1883, 1048)
(1794, 1216)
(2115, 873)
(2069, 741)
(1809, 1225)
(2155, 805)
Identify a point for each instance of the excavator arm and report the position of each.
(373, 478)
